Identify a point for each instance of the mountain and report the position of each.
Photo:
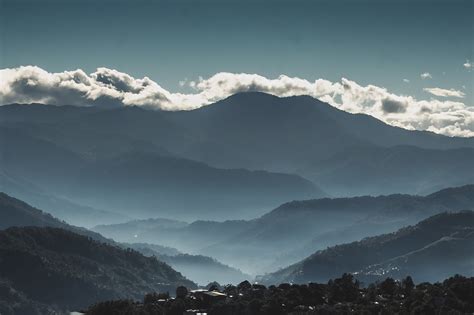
(201, 269)
(187, 237)
(38, 113)
(41, 262)
(405, 169)
(346, 153)
(184, 189)
(150, 184)
(204, 270)
(295, 229)
(17, 213)
(132, 230)
(438, 246)
(15, 302)
(61, 208)
(436, 260)
(14, 212)
(286, 133)
(152, 249)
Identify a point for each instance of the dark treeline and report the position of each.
(339, 296)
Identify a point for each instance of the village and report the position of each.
(339, 296)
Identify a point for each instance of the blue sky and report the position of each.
(371, 42)
(370, 54)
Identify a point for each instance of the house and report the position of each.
(208, 297)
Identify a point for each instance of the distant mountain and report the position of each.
(201, 269)
(429, 251)
(187, 237)
(150, 184)
(204, 269)
(350, 154)
(38, 113)
(184, 189)
(295, 229)
(345, 154)
(404, 169)
(55, 266)
(148, 249)
(286, 133)
(61, 208)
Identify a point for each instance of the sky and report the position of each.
(416, 49)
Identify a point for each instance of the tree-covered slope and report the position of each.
(443, 242)
(58, 267)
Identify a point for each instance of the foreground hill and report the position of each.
(201, 269)
(438, 246)
(15, 302)
(55, 266)
(14, 212)
(294, 230)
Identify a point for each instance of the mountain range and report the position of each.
(431, 250)
(252, 150)
(55, 254)
(288, 188)
(150, 184)
(199, 268)
(293, 230)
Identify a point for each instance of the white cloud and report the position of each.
(426, 75)
(468, 64)
(183, 82)
(406, 80)
(107, 87)
(444, 92)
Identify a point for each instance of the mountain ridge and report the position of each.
(371, 252)
(258, 131)
(295, 229)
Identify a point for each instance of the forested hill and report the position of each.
(58, 267)
(430, 251)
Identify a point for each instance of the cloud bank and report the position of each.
(107, 87)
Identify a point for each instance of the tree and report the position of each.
(388, 287)
(407, 285)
